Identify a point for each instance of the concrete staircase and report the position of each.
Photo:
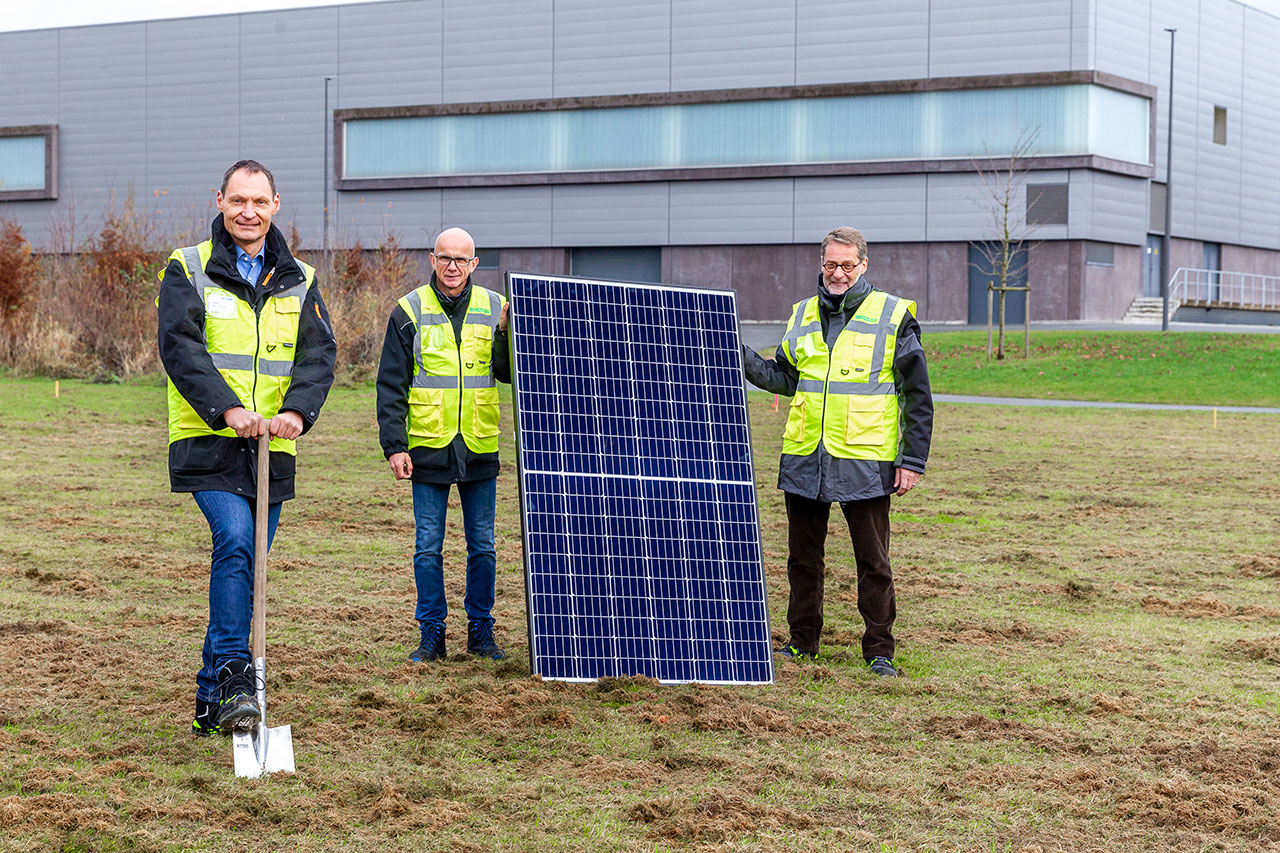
(1146, 309)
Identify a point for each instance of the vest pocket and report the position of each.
(795, 418)
(864, 424)
(282, 326)
(485, 417)
(478, 344)
(426, 413)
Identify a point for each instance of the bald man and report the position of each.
(445, 349)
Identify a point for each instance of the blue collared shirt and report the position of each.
(250, 268)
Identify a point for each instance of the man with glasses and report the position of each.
(857, 432)
(446, 345)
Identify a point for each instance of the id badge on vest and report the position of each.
(219, 304)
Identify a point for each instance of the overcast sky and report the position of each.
(33, 14)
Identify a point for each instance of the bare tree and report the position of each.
(1005, 257)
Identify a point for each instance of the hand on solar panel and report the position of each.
(502, 320)
(401, 465)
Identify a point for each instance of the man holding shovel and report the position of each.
(246, 342)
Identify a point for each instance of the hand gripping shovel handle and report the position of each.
(265, 750)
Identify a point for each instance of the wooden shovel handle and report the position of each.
(259, 627)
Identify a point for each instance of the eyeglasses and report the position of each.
(847, 266)
(445, 261)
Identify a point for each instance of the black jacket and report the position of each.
(819, 476)
(455, 462)
(229, 464)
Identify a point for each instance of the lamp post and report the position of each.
(324, 165)
(1168, 193)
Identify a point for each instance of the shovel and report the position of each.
(261, 749)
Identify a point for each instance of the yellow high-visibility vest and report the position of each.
(846, 397)
(253, 353)
(453, 389)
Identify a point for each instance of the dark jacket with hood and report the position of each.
(821, 476)
(455, 462)
(229, 463)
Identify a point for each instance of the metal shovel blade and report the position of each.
(263, 750)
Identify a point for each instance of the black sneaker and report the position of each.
(480, 640)
(205, 722)
(432, 645)
(791, 652)
(883, 667)
(238, 705)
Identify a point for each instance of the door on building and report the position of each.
(1151, 266)
(1015, 304)
(1211, 261)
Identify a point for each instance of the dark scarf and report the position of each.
(845, 302)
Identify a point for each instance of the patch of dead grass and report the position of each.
(1206, 605)
(715, 816)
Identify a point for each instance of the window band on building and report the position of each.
(1072, 119)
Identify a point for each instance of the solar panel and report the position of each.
(637, 490)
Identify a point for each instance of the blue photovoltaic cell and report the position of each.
(642, 541)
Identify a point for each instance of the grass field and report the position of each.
(1205, 368)
(1089, 622)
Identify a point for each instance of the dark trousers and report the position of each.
(806, 567)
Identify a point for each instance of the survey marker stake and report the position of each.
(261, 749)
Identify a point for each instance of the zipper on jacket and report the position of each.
(458, 342)
(257, 333)
(822, 432)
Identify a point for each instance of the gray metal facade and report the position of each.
(159, 108)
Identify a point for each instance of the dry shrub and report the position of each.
(360, 286)
(45, 347)
(92, 311)
(19, 275)
(89, 309)
(115, 286)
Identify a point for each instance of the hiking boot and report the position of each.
(480, 640)
(432, 645)
(883, 667)
(205, 722)
(238, 705)
(789, 651)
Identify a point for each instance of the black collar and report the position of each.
(275, 256)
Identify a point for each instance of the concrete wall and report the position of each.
(1250, 260)
(1107, 292)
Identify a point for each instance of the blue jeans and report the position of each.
(430, 504)
(230, 518)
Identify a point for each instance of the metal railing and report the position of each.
(1218, 289)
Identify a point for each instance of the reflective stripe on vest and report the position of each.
(452, 390)
(846, 397)
(254, 353)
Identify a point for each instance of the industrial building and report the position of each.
(701, 142)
